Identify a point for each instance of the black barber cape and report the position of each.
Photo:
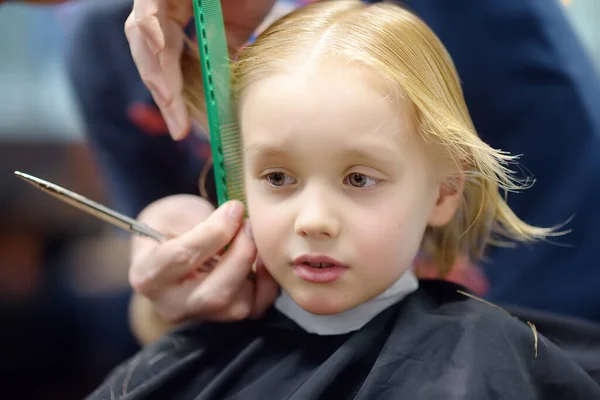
(435, 344)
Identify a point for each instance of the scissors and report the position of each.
(104, 213)
(93, 208)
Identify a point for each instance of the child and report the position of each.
(359, 152)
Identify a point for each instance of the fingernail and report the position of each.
(180, 118)
(174, 128)
(158, 93)
(235, 211)
(180, 111)
(248, 230)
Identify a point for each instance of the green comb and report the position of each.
(225, 139)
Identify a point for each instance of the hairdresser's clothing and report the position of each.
(530, 90)
(435, 344)
(123, 125)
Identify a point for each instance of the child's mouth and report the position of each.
(320, 265)
(318, 269)
(319, 274)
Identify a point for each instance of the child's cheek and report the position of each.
(391, 240)
(266, 231)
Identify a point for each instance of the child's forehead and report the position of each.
(325, 102)
(327, 80)
(335, 111)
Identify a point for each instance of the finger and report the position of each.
(222, 284)
(149, 68)
(266, 290)
(173, 216)
(179, 303)
(236, 263)
(167, 263)
(141, 246)
(226, 309)
(213, 235)
(161, 73)
(241, 306)
(173, 303)
(175, 112)
(147, 14)
(176, 214)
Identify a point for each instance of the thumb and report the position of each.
(172, 216)
(266, 290)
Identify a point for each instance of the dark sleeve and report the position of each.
(532, 90)
(140, 165)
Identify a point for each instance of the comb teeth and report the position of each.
(232, 159)
(216, 76)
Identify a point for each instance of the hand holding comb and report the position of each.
(223, 127)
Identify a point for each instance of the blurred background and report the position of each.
(62, 322)
(63, 275)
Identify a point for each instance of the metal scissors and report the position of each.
(104, 213)
(93, 208)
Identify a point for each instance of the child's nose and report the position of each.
(317, 219)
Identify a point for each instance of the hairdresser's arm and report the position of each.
(155, 35)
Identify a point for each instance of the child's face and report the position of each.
(335, 173)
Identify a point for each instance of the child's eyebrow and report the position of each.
(260, 150)
(373, 153)
(376, 153)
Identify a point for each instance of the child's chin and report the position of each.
(323, 305)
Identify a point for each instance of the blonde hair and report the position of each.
(401, 49)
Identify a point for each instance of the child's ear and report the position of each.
(450, 193)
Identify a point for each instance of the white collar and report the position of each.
(349, 320)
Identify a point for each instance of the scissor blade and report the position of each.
(91, 207)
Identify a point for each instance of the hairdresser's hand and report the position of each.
(155, 35)
(167, 274)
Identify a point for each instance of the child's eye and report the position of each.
(278, 179)
(360, 180)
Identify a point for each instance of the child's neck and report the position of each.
(349, 320)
